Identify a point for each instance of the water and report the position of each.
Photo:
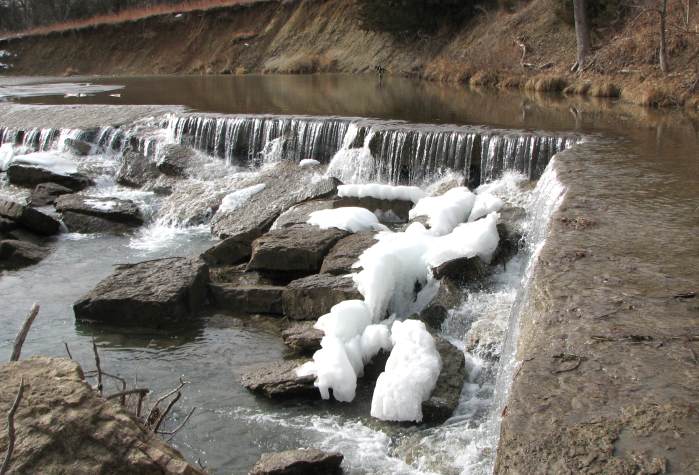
(401, 133)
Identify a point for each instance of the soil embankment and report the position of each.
(307, 36)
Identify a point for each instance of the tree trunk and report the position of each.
(582, 33)
(662, 55)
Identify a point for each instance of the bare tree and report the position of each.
(582, 34)
(662, 54)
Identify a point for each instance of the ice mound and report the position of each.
(6, 155)
(308, 163)
(478, 238)
(446, 211)
(349, 218)
(233, 201)
(410, 375)
(485, 204)
(381, 192)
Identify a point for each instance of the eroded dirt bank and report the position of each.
(610, 334)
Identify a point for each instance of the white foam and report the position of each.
(349, 218)
(381, 192)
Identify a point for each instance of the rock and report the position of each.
(298, 250)
(448, 297)
(238, 276)
(299, 462)
(30, 175)
(174, 159)
(46, 194)
(7, 225)
(17, 254)
(136, 170)
(346, 252)
(302, 337)
(33, 220)
(64, 426)
(299, 214)
(86, 214)
(310, 297)
(388, 211)
(232, 250)
(255, 299)
(78, 147)
(278, 380)
(509, 244)
(150, 293)
(461, 270)
(445, 396)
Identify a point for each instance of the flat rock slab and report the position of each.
(346, 253)
(17, 254)
(29, 175)
(310, 297)
(388, 211)
(29, 218)
(297, 250)
(63, 426)
(46, 194)
(278, 380)
(87, 214)
(303, 338)
(150, 293)
(299, 462)
(255, 299)
(445, 396)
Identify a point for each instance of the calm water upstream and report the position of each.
(655, 156)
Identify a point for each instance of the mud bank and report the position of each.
(607, 373)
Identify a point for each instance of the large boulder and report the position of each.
(87, 214)
(298, 250)
(47, 193)
(78, 147)
(445, 396)
(346, 253)
(254, 299)
(136, 170)
(462, 270)
(300, 213)
(63, 426)
(174, 159)
(31, 219)
(278, 380)
(31, 175)
(388, 211)
(150, 293)
(310, 297)
(299, 462)
(16, 254)
(232, 250)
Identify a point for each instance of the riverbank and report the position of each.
(310, 36)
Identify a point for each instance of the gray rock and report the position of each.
(299, 214)
(445, 396)
(461, 271)
(388, 211)
(237, 275)
(87, 214)
(136, 170)
(278, 380)
(7, 225)
(448, 297)
(78, 147)
(17, 254)
(299, 462)
(33, 220)
(298, 250)
(232, 250)
(346, 252)
(302, 337)
(46, 194)
(174, 159)
(30, 176)
(150, 293)
(310, 297)
(511, 240)
(64, 426)
(254, 299)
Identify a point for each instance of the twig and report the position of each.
(97, 363)
(172, 433)
(11, 427)
(22, 335)
(162, 398)
(67, 350)
(128, 392)
(566, 357)
(166, 411)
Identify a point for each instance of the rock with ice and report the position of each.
(308, 163)
(446, 211)
(233, 201)
(410, 375)
(381, 192)
(56, 162)
(349, 218)
(478, 238)
(485, 204)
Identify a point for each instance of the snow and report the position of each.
(445, 212)
(349, 218)
(56, 162)
(410, 375)
(485, 204)
(233, 201)
(308, 163)
(6, 155)
(381, 192)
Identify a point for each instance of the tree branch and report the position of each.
(11, 428)
(22, 335)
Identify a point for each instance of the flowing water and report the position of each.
(402, 133)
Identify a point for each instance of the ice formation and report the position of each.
(233, 201)
(410, 375)
(445, 212)
(56, 162)
(6, 154)
(485, 204)
(352, 165)
(349, 218)
(381, 192)
(308, 163)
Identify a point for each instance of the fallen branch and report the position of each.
(176, 430)
(97, 363)
(67, 350)
(128, 392)
(22, 335)
(11, 425)
(152, 414)
(166, 411)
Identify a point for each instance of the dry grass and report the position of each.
(484, 79)
(547, 83)
(512, 82)
(604, 89)
(578, 88)
(651, 95)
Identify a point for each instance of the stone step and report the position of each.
(254, 299)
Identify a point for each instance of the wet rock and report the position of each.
(236, 274)
(298, 250)
(302, 337)
(509, 244)
(388, 211)
(255, 299)
(64, 426)
(46, 194)
(299, 462)
(78, 147)
(16, 254)
(299, 214)
(448, 297)
(174, 159)
(86, 214)
(30, 176)
(445, 396)
(346, 252)
(232, 250)
(310, 297)
(278, 380)
(150, 293)
(7, 225)
(461, 271)
(136, 170)
(33, 220)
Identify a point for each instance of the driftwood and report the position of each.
(99, 368)
(22, 335)
(11, 426)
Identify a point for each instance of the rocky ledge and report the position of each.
(299, 462)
